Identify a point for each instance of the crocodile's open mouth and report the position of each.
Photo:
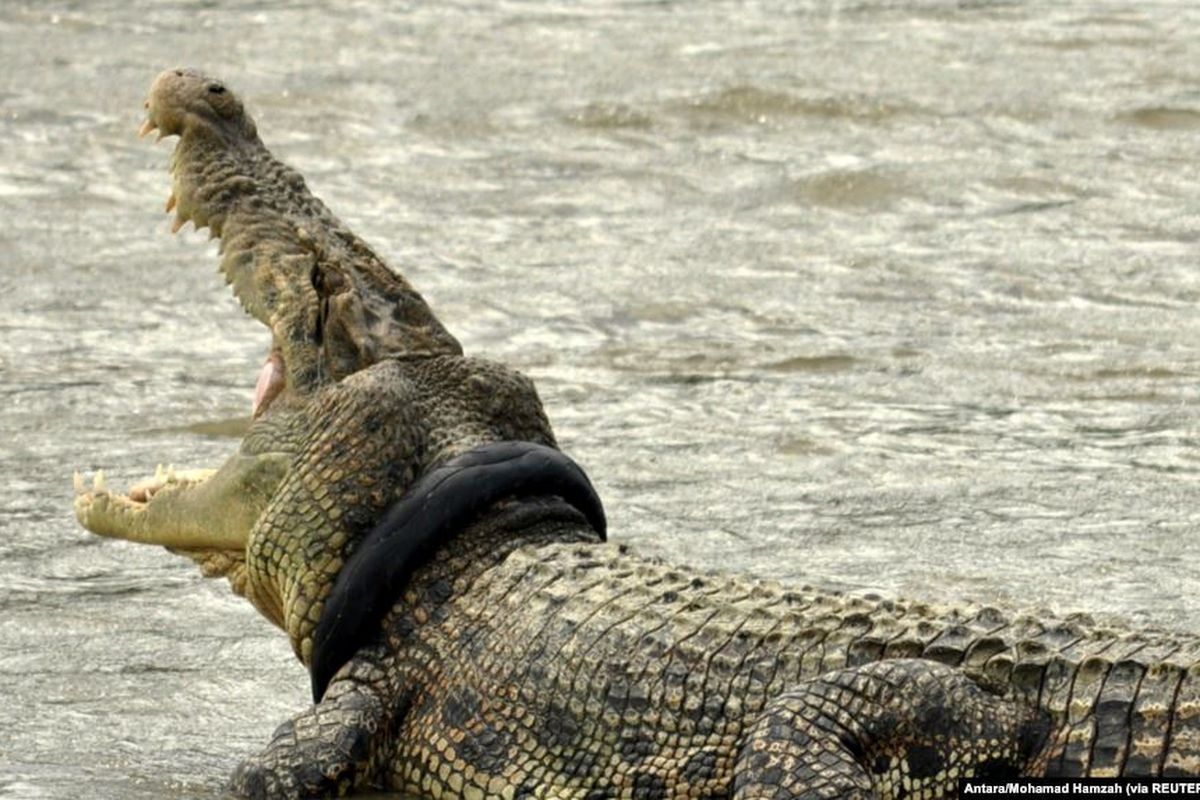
(106, 512)
(97, 502)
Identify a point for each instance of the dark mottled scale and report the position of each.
(697, 653)
(1056, 678)
(1113, 711)
(1022, 678)
(603, 668)
(856, 623)
(1075, 757)
(686, 617)
(841, 633)
(1150, 722)
(912, 643)
(1059, 636)
(950, 647)
(537, 615)
(536, 588)
(811, 646)
(998, 654)
(1104, 679)
(782, 668)
(582, 648)
(871, 644)
(1048, 659)
(727, 676)
(980, 653)
(897, 728)
(749, 654)
(1114, 646)
(1183, 747)
(971, 642)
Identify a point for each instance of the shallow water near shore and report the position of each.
(881, 296)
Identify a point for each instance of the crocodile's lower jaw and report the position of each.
(120, 516)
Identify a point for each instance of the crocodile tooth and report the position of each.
(79, 487)
(171, 474)
(160, 474)
(98, 483)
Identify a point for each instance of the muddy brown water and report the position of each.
(886, 296)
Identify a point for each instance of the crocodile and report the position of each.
(402, 512)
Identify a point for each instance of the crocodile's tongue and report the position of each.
(271, 380)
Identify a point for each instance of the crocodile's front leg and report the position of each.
(332, 748)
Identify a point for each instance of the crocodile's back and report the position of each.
(580, 665)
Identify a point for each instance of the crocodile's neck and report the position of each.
(458, 564)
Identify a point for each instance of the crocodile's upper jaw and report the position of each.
(182, 509)
(331, 303)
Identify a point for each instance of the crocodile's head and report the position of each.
(331, 306)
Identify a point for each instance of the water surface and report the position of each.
(890, 296)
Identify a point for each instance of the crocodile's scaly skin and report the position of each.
(528, 659)
(580, 670)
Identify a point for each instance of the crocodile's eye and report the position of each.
(216, 88)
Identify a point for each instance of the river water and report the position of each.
(893, 295)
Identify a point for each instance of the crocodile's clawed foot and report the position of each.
(322, 752)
